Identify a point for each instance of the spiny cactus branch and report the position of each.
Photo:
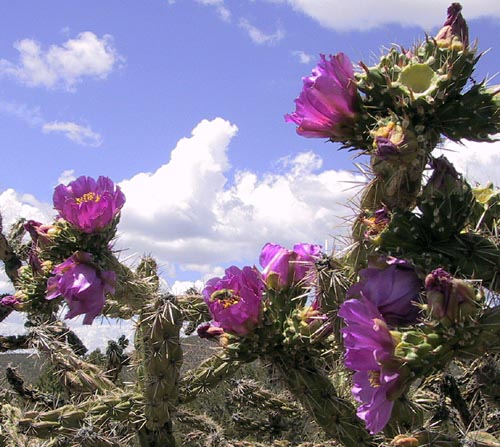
(207, 375)
(123, 407)
(76, 375)
(13, 342)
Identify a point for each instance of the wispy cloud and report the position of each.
(30, 115)
(62, 66)
(363, 15)
(260, 37)
(303, 57)
(83, 135)
(219, 6)
(75, 132)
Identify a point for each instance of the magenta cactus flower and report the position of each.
(87, 204)
(81, 285)
(370, 352)
(285, 268)
(235, 299)
(326, 107)
(393, 286)
(11, 301)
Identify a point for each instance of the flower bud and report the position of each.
(285, 268)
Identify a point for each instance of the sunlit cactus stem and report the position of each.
(158, 345)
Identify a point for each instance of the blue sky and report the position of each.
(182, 103)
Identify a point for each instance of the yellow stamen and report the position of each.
(374, 378)
(88, 197)
(226, 297)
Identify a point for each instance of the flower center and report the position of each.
(226, 297)
(374, 378)
(88, 197)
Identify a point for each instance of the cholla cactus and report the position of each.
(376, 342)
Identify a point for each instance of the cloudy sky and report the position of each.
(181, 102)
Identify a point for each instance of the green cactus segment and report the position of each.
(9, 433)
(208, 375)
(474, 116)
(446, 204)
(194, 310)
(98, 410)
(157, 341)
(316, 393)
(132, 290)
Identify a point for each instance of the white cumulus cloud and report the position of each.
(77, 133)
(14, 206)
(478, 162)
(260, 37)
(190, 212)
(62, 66)
(366, 14)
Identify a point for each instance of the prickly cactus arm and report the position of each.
(450, 389)
(315, 391)
(12, 342)
(203, 423)
(9, 434)
(98, 410)
(207, 376)
(249, 392)
(132, 290)
(193, 308)
(9, 258)
(28, 392)
(160, 349)
(395, 186)
(116, 359)
(78, 376)
(487, 375)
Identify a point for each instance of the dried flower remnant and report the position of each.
(449, 300)
(455, 32)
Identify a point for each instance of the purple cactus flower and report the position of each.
(87, 204)
(285, 268)
(235, 299)
(10, 301)
(81, 285)
(326, 107)
(370, 352)
(454, 28)
(393, 286)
